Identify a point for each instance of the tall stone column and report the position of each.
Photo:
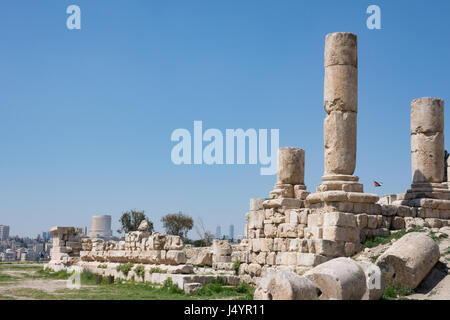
(427, 149)
(290, 174)
(341, 106)
(427, 140)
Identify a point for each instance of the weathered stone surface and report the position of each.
(427, 115)
(291, 166)
(339, 219)
(341, 234)
(340, 143)
(257, 204)
(340, 89)
(375, 284)
(408, 260)
(427, 157)
(340, 279)
(284, 285)
(341, 49)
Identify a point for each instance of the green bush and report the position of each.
(125, 268)
(102, 266)
(236, 266)
(157, 270)
(171, 287)
(140, 271)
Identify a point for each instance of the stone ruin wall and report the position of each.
(298, 230)
(294, 228)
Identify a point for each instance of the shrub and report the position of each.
(140, 271)
(125, 268)
(171, 287)
(236, 266)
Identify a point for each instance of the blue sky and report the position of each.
(86, 116)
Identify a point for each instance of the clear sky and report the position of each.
(86, 115)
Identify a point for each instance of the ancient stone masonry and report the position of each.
(298, 230)
(428, 200)
(66, 245)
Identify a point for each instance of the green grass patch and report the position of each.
(218, 289)
(394, 292)
(376, 241)
(157, 270)
(50, 274)
(7, 278)
(236, 266)
(436, 237)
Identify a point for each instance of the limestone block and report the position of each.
(375, 284)
(287, 230)
(339, 279)
(341, 49)
(284, 285)
(271, 258)
(298, 245)
(388, 210)
(262, 244)
(372, 222)
(256, 204)
(291, 166)
(256, 219)
(287, 203)
(315, 220)
(398, 223)
(173, 243)
(180, 269)
(280, 244)
(404, 211)
(286, 258)
(408, 260)
(303, 216)
(270, 230)
(339, 219)
(341, 234)
(434, 223)
(313, 232)
(361, 221)
(327, 247)
(254, 269)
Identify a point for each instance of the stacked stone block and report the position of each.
(138, 247)
(66, 244)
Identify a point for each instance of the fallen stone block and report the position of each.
(408, 260)
(339, 279)
(375, 284)
(284, 285)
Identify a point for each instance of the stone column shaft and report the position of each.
(427, 141)
(340, 103)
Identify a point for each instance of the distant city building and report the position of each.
(218, 232)
(4, 233)
(231, 234)
(101, 227)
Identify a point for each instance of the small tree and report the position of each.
(177, 224)
(130, 221)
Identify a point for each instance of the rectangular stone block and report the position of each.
(328, 247)
(372, 222)
(341, 234)
(303, 217)
(262, 245)
(404, 211)
(287, 230)
(256, 219)
(310, 259)
(270, 230)
(280, 244)
(270, 258)
(286, 258)
(315, 220)
(298, 245)
(339, 219)
(444, 214)
(361, 221)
